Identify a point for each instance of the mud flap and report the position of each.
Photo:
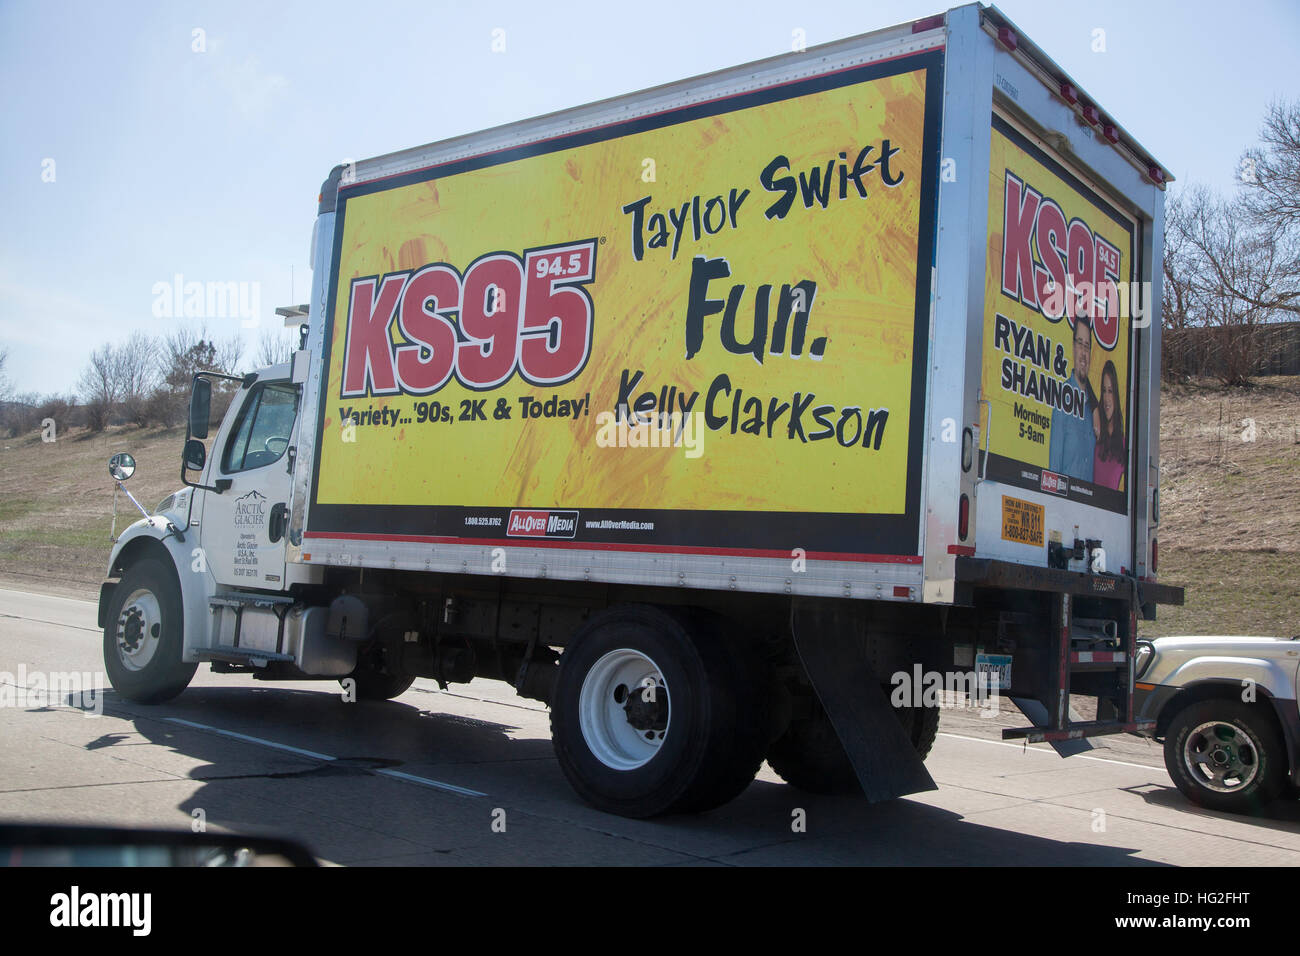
(881, 752)
(1037, 715)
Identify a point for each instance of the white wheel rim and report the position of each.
(139, 630)
(624, 709)
(1221, 756)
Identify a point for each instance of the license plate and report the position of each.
(1022, 521)
(997, 667)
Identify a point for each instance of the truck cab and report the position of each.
(205, 576)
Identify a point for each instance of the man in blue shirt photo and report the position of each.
(1073, 440)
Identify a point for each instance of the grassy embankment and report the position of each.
(1230, 528)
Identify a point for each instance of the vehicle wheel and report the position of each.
(375, 682)
(144, 636)
(810, 757)
(1226, 755)
(654, 713)
(922, 724)
(809, 754)
(752, 683)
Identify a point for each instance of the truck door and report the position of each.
(1059, 360)
(243, 527)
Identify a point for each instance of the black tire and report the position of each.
(1226, 755)
(709, 709)
(146, 611)
(922, 724)
(374, 681)
(810, 757)
(751, 682)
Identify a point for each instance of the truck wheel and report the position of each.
(653, 715)
(810, 757)
(144, 636)
(376, 682)
(1226, 755)
(922, 724)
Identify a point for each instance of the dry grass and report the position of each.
(1230, 531)
(1221, 490)
(1230, 522)
(56, 501)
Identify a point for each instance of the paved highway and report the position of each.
(467, 777)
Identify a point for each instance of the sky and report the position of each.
(148, 145)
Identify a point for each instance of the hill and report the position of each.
(1230, 487)
(1230, 503)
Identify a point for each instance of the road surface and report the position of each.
(468, 777)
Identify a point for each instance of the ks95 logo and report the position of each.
(1076, 272)
(504, 315)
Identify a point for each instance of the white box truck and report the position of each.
(729, 418)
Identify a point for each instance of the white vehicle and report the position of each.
(1226, 710)
(702, 414)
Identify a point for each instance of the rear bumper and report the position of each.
(1007, 575)
(1151, 592)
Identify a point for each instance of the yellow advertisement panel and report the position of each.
(696, 329)
(1057, 328)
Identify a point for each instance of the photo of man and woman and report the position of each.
(1092, 447)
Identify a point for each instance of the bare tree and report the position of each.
(190, 348)
(1178, 352)
(184, 351)
(99, 388)
(1270, 172)
(1224, 271)
(276, 346)
(4, 379)
(58, 408)
(20, 414)
(1232, 266)
(137, 371)
(229, 353)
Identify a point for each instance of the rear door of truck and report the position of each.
(1048, 274)
(1057, 369)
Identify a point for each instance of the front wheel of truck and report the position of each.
(655, 713)
(144, 636)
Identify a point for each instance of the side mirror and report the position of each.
(121, 466)
(200, 408)
(195, 455)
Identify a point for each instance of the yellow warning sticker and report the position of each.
(1022, 521)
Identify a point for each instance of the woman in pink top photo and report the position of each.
(1109, 458)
